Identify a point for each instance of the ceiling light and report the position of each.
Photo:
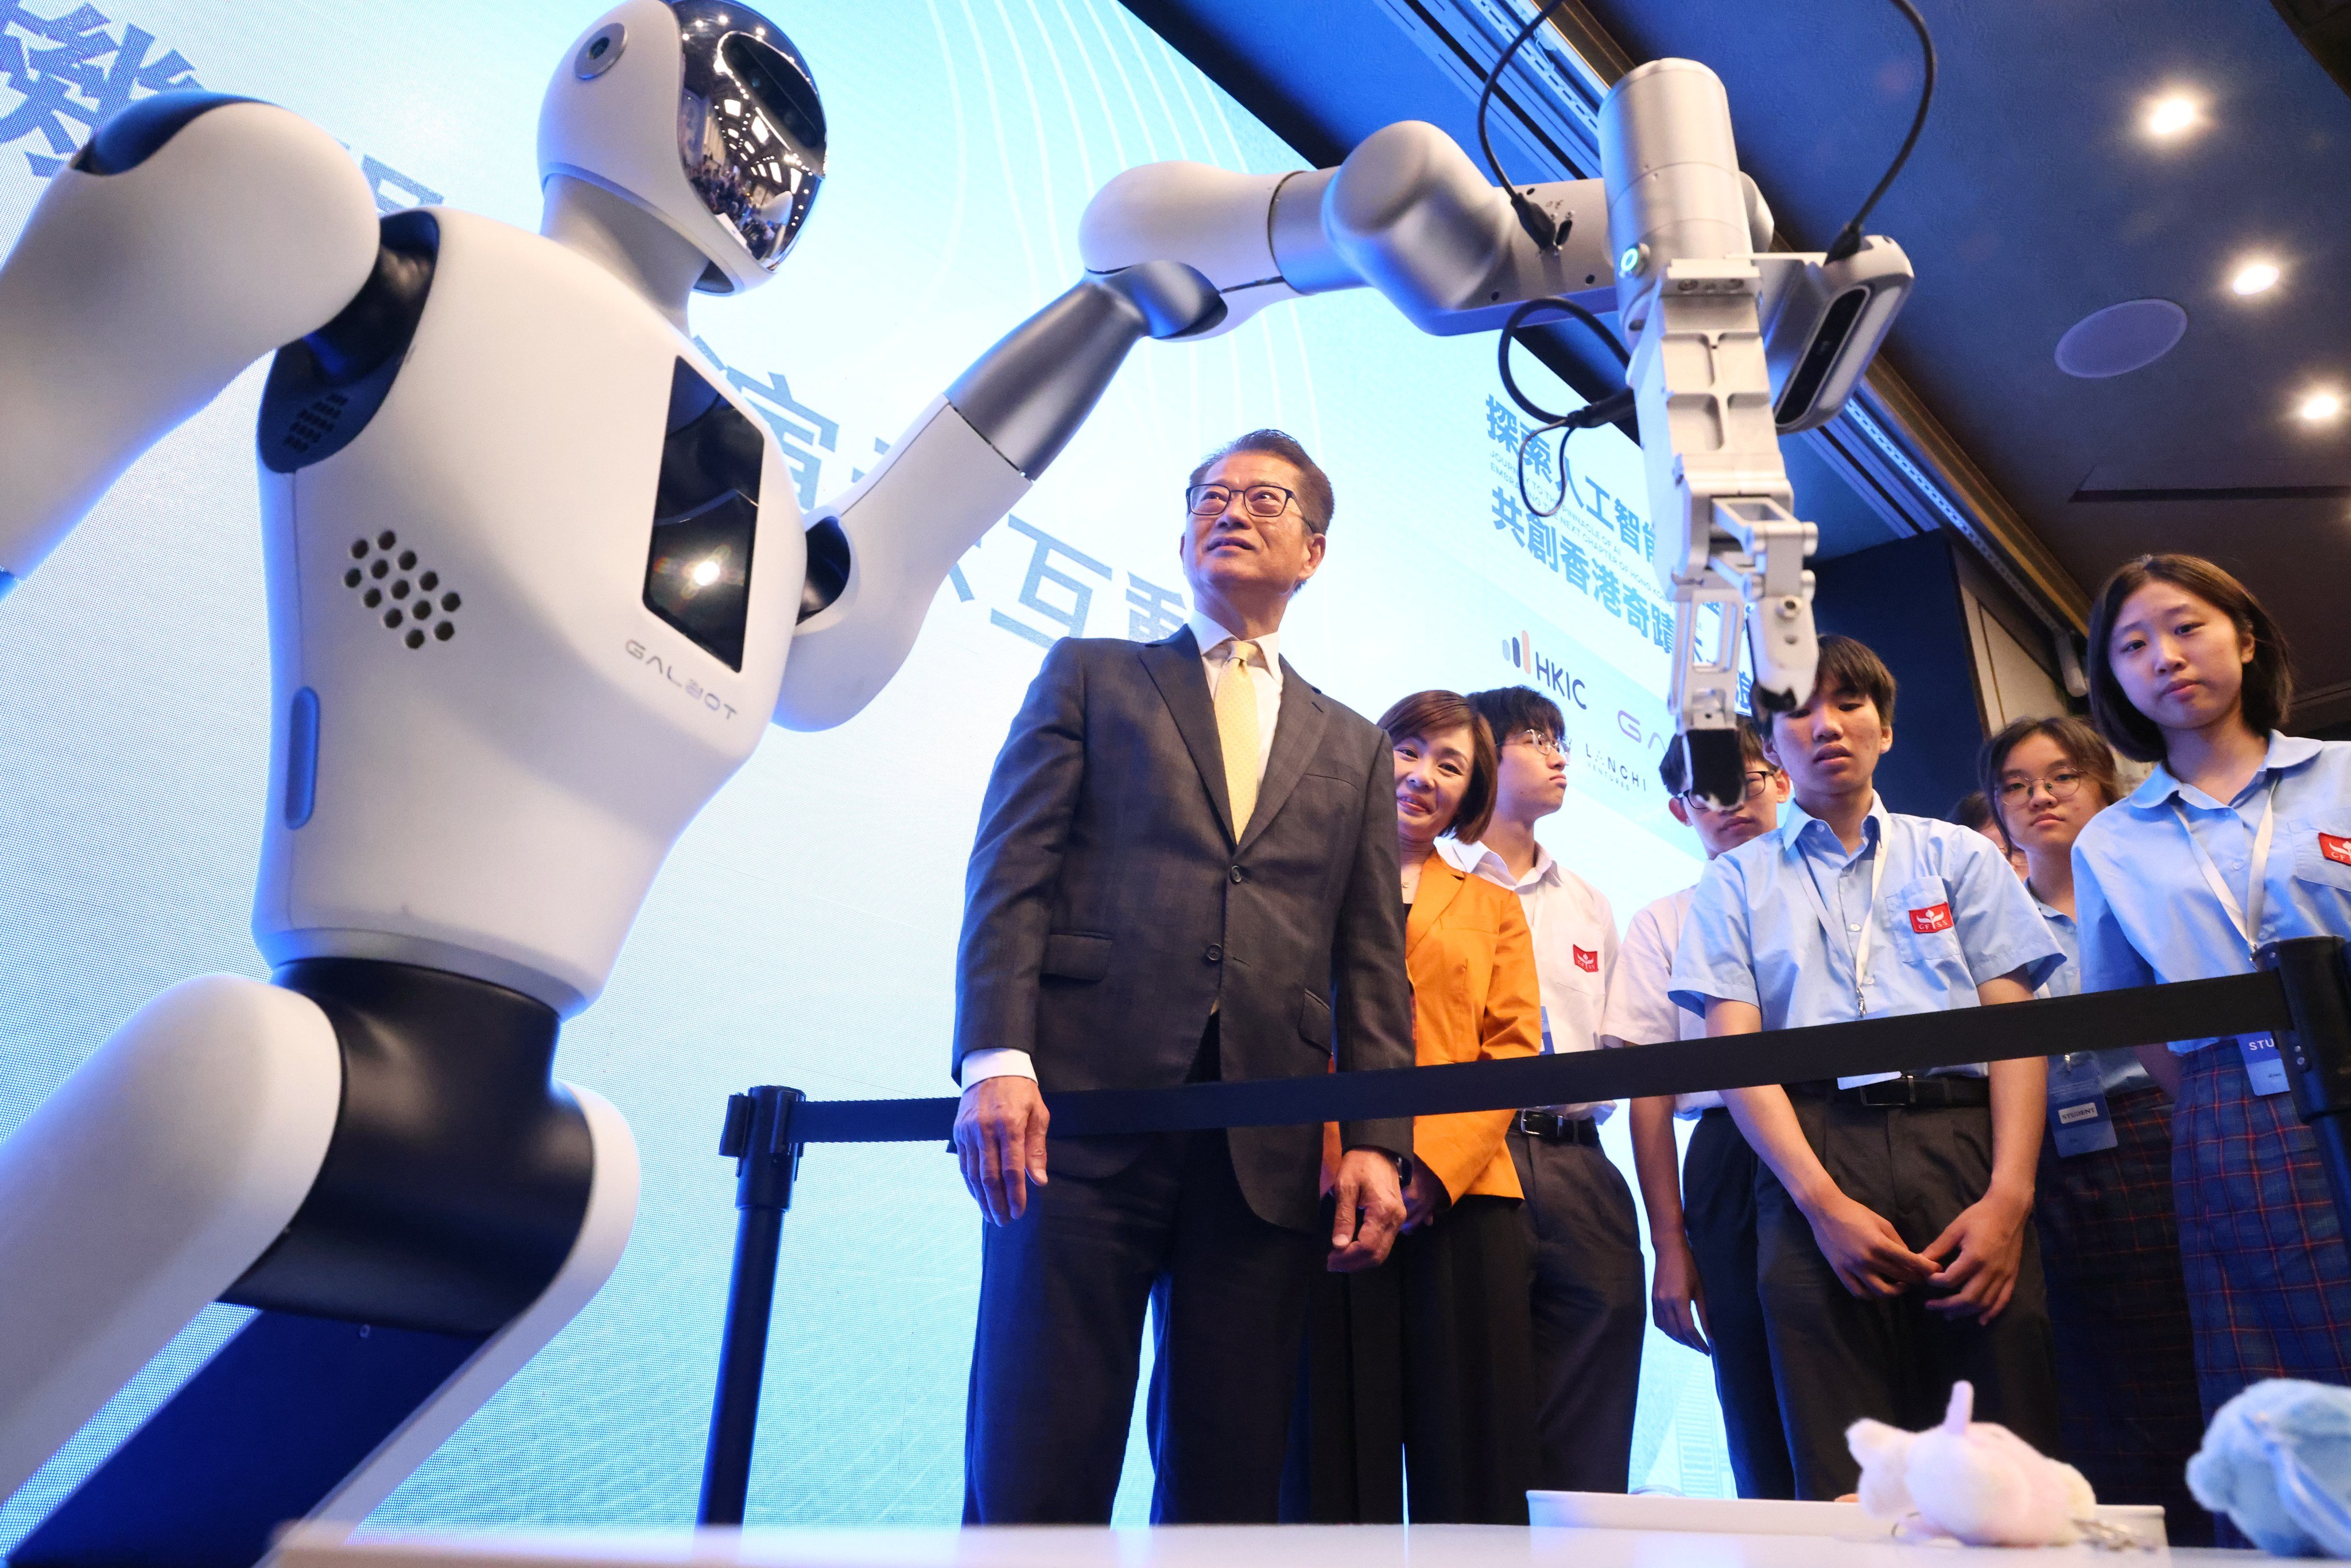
(2255, 277)
(2172, 115)
(2319, 407)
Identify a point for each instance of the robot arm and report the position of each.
(191, 236)
(877, 555)
(1732, 345)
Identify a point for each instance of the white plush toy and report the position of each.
(1971, 1481)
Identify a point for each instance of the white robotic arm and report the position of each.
(878, 555)
(1732, 345)
(192, 236)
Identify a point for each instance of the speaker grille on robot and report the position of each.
(421, 606)
(315, 422)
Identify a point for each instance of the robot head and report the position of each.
(702, 113)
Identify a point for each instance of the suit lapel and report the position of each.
(1297, 735)
(1440, 885)
(1173, 666)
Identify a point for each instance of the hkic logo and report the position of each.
(1586, 959)
(2335, 848)
(1933, 918)
(1549, 675)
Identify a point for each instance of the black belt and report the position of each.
(1941, 1091)
(1553, 1128)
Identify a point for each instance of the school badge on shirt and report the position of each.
(1933, 918)
(2335, 848)
(1586, 959)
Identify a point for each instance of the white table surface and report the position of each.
(1289, 1546)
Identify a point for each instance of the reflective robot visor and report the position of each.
(750, 127)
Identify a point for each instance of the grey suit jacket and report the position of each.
(1112, 902)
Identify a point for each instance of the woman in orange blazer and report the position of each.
(1424, 1365)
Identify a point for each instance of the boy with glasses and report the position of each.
(1583, 1236)
(1702, 1216)
(1894, 1244)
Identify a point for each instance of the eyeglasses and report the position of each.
(1549, 744)
(1263, 502)
(1755, 782)
(2060, 787)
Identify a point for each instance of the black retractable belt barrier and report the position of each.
(758, 1138)
(2302, 995)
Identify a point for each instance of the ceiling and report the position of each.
(2035, 198)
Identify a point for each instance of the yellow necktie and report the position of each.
(1236, 731)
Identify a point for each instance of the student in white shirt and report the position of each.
(1585, 1240)
(1702, 1217)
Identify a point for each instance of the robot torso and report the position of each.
(533, 576)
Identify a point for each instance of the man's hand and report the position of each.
(1370, 1210)
(1985, 1249)
(1000, 1137)
(1676, 1299)
(1424, 1197)
(1865, 1252)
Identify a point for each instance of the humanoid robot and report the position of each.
(536, 583)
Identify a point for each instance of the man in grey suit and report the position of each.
(1185, 871)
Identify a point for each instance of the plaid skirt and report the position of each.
(2269, 1282)
(2127, 1391)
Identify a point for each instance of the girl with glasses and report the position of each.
(2109, 1244)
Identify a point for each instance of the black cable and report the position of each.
(1510, 329)
(1601, 412)
(1532, 218)
(1848, 239)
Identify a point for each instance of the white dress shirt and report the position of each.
(1216, 658)
(1575, 948)
(1641, 1010)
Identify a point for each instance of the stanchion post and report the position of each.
(758, 1138)
(2317, 1054)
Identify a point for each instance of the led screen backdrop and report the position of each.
(803, 931)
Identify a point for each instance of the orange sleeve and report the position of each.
(1462, 1148)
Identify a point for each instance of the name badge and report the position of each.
(2080, 1122)
(2264, 1068)
(1544, 1014)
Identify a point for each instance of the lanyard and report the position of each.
(1869, 919)
(2247, 920)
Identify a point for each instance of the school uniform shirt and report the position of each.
(2147, 918)
(1641, 1010)
(1575, 948)
(1776, 922)
(2118, 1069)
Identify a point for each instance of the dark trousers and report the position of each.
(1836, 1358)
(1420, 1367)
(1718, 1218)
(1061, 1301)
(2119, 1307)
(1590, 1303)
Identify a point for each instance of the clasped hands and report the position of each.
(1976, 1259)
(999, 1140)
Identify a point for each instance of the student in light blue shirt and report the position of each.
(2109, 1241)
(2242, 836)
(1894, 1249)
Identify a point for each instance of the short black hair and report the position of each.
(1315, 501)
(1513, 710)
(1973, 810)
(1849, 663)
(1675, 777)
